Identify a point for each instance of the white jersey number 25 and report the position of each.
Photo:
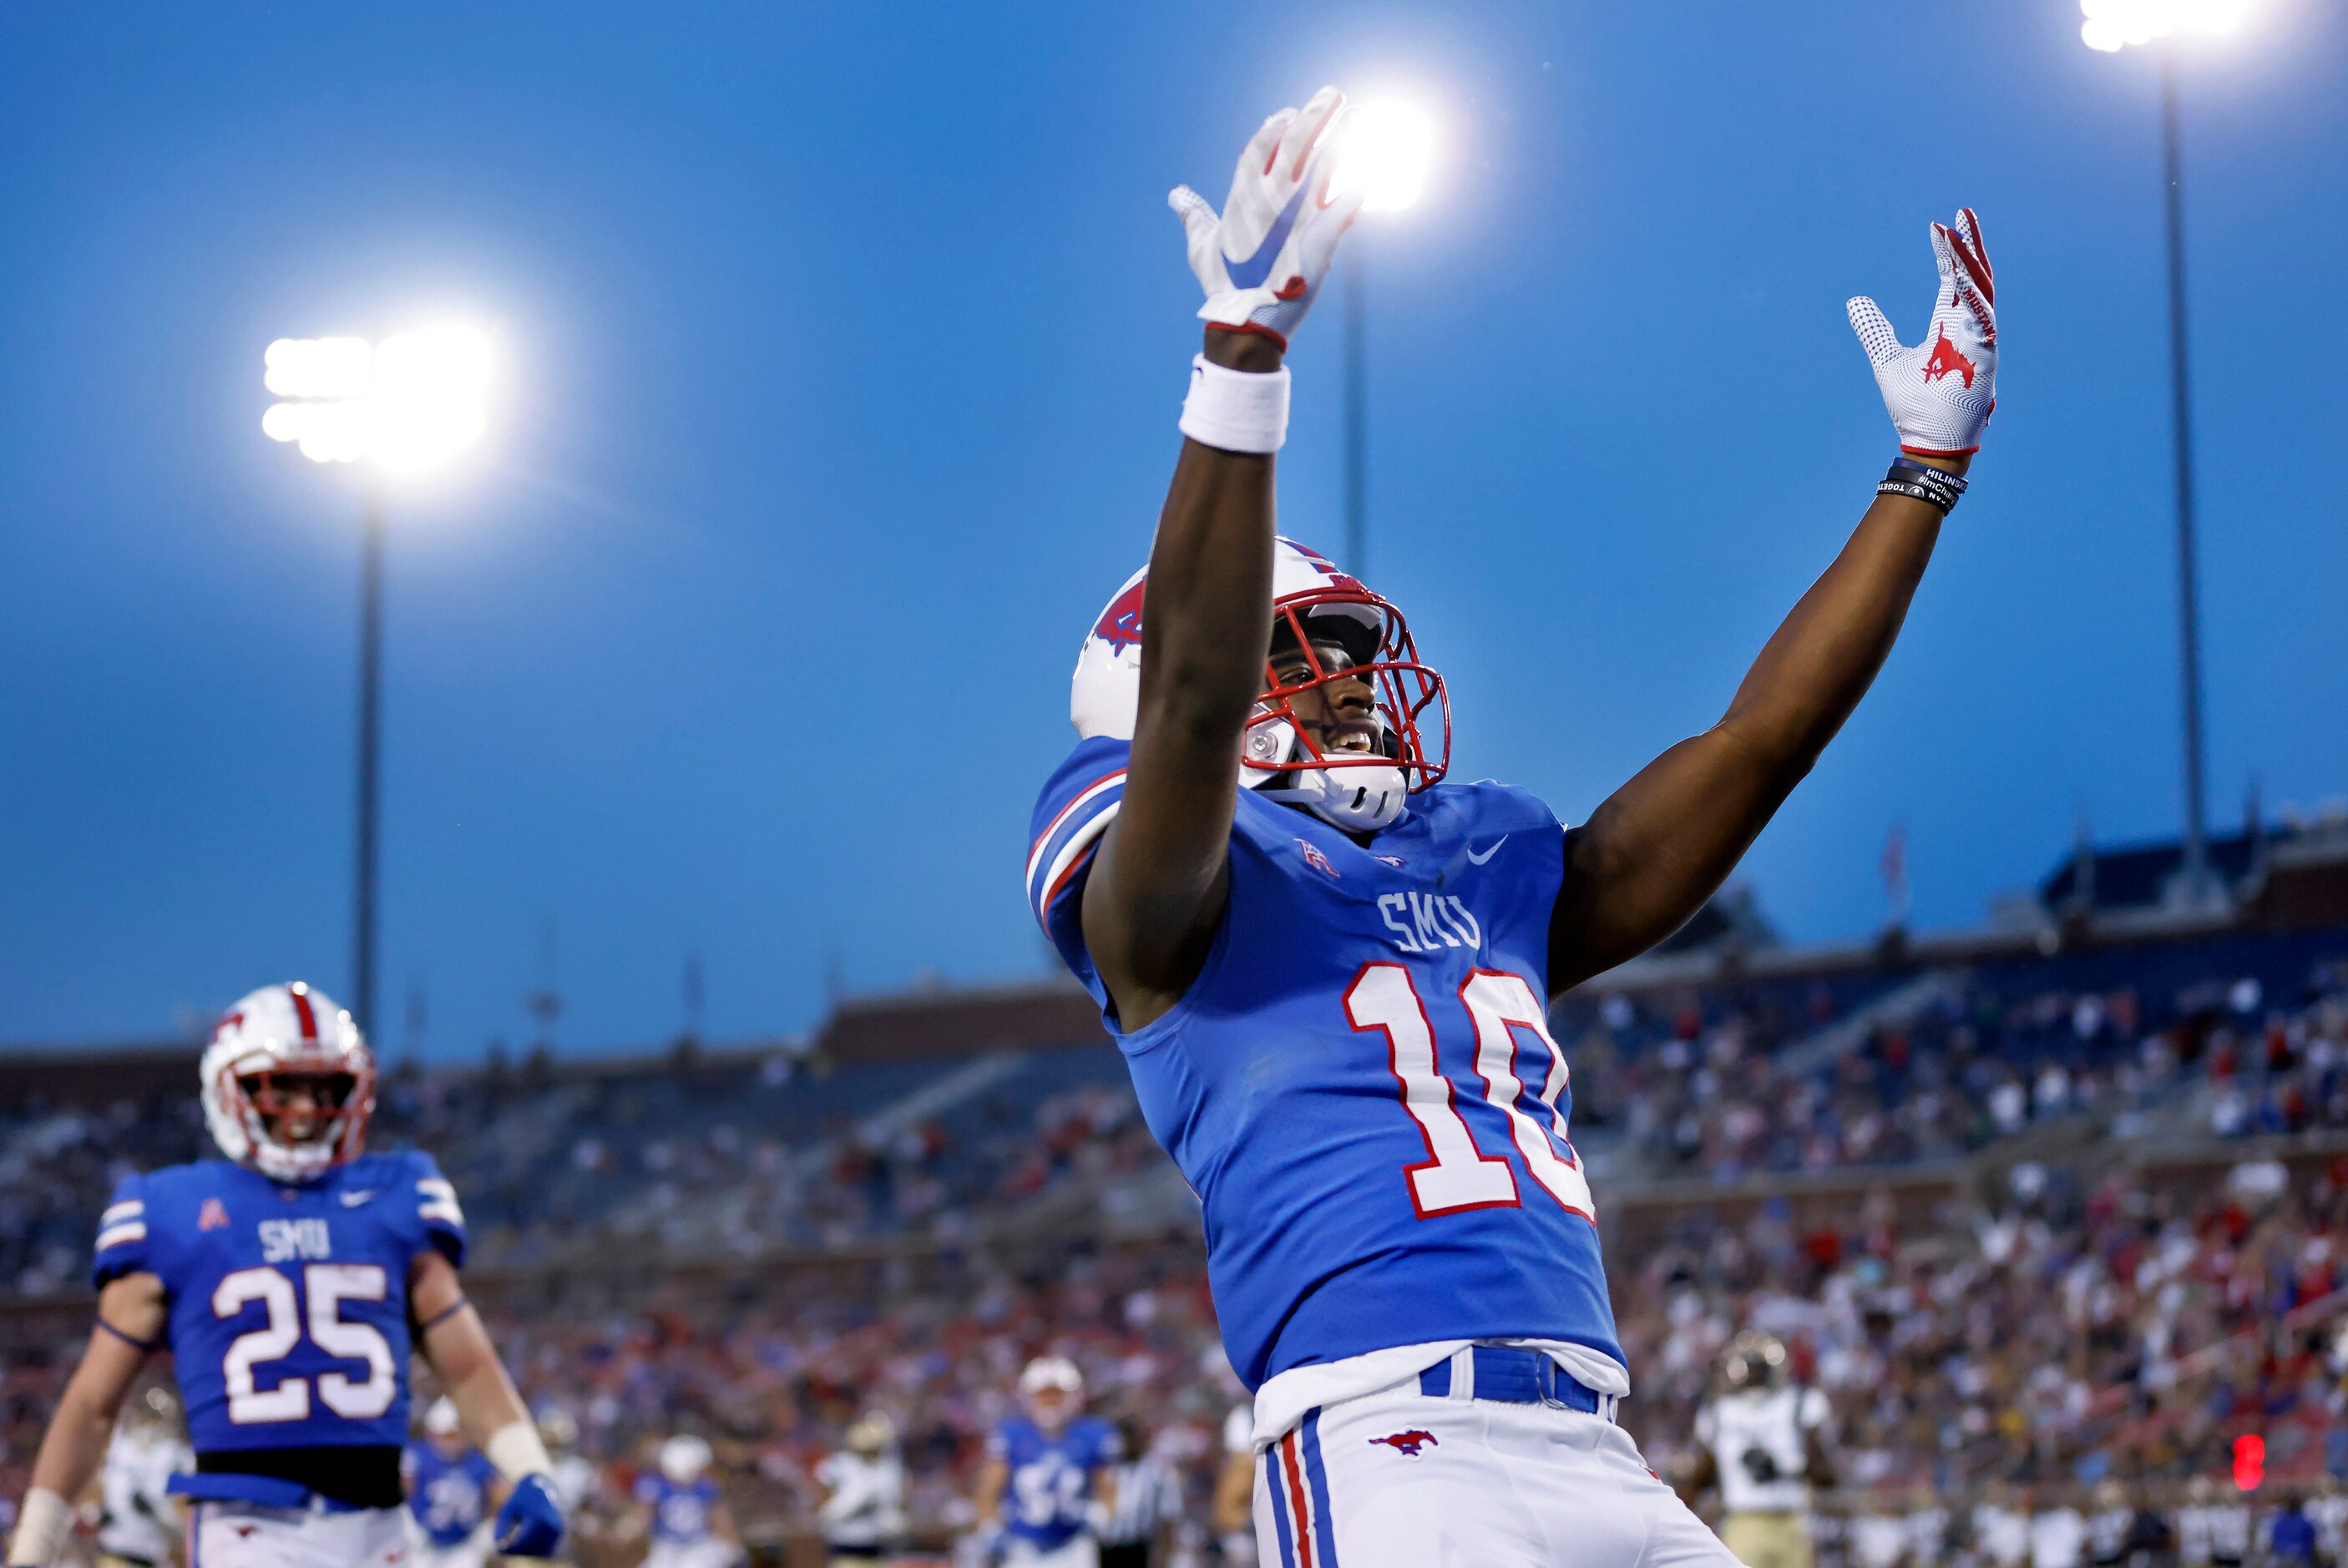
(327, 1286)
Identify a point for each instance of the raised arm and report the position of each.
(1659, 846)
(1157, 888)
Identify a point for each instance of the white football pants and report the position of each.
(1400, 1480)
(473, 1551)
(247, 1536)
(706, 1552)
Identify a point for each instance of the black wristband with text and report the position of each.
(1937, 488)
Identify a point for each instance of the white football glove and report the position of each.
(1261, 260)
(1940, 394)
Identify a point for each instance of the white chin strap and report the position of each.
(1360, 800)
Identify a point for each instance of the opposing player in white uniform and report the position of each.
(1328, 967)
(576, 1484)
(1762, 1444)
(863, 1506)
(290, 1280)
(139, 1523)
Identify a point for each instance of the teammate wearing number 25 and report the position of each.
(285, 1280)
(1329, 965)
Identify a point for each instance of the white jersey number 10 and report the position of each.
(1457, 1175)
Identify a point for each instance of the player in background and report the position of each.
(1050, 1473)
(1328, 967)
(1928, 1524)
(1878, 1533)
(2327, 1507)
(139, 1523)
(1233, 1513)
(1145, 1504)
(450, 1486)
(2001, 1527)
(680, 1508)
(2291, 1535)
(290, 1280)
(576, 1484)
(1762, 1442)
(863, 1506)
(2058, 1531)
(2228, 1517)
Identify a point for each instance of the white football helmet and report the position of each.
(1052, 1388)
(683, 1459)
(873, 1433)
(279, 1033)
(1325, 613)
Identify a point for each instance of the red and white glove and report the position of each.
(1940, 394)
(1262, 259)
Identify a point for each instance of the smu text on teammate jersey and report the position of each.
(1051, 1477)
(448, 1493)
(288, 1304)
(1360, 1085)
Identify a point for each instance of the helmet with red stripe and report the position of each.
(288, 1083)
(1341, 724)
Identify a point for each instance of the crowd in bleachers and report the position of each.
(2251, 1037)
(2067, 1325)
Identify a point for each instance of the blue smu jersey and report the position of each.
(1051, 1476)
(680, 1513)
(288, 1304)
(450, 1496)
(1360, 1085)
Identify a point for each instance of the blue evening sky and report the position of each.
(845, 344)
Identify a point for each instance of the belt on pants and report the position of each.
(1512, 1377)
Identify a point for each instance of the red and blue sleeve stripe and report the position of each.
(1068, 840)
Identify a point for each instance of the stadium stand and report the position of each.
(2040, 1208)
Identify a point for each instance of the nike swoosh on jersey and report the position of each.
(353, 1200)
(1249, 274)
(1476, 859)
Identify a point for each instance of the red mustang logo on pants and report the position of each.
(1946, 359)
(1408, 1444)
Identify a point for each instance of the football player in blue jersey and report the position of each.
(449, 1485)
(680, 1510)
(1050, 1472)
(1330, 966)
(290, 1282)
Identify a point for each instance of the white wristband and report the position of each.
(517, 1450)
(41, 1525)
(1237, 410)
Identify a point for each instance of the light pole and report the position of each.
(401, 406)
(2111, 25)
(1389, 147)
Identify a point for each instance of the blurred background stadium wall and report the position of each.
(2057, 1203)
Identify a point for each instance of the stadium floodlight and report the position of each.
(1386, 147)
(402, 407)
(1389, 148)
(409, 404)
(2112, 26)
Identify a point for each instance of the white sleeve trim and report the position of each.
(136, 1231)
(122, 1210)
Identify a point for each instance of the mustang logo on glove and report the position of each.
(1941, 397)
